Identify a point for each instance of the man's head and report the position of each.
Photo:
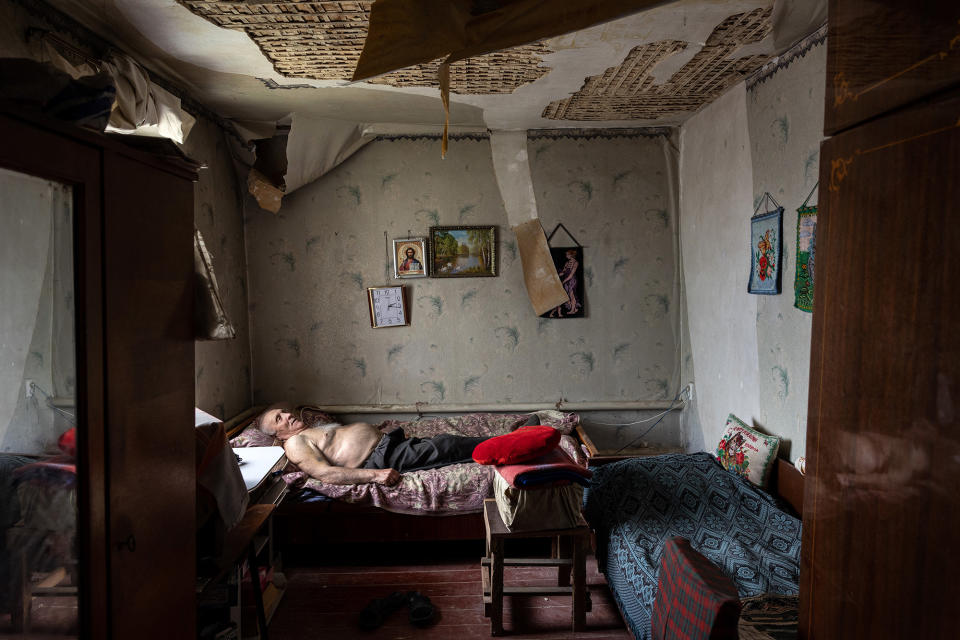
(280, 421)
(410, 252)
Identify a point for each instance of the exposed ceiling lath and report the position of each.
(628, 92)
(323, 40)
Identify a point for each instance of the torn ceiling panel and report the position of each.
(323, 41)
(409, 32)
(492, 73)
(628, 91)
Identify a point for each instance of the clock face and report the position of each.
(387, 305)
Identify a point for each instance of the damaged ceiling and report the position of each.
(261, 60)
(323, 40)
(629, 92)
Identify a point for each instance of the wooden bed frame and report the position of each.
(298, 524)
(786, 481)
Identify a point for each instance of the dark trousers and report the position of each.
(394, 451)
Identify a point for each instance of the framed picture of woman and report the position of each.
(409, 258)
(569, 264)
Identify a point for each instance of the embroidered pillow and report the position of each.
(747, 452)
(526, 443)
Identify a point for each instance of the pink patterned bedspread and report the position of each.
(450, 490)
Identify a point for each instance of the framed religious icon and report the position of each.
(388, 307)
(463, 252)
(410, 258)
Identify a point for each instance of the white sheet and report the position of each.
(256, 463)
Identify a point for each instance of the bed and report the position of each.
(38, 520)
(636, 505)
(433, 504)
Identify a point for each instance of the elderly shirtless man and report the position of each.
(357, 453)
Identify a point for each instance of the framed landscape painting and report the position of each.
(463, 252)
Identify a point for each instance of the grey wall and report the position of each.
(715, 195)
(222, 366)
(785, 119)
(472, 340)
(751, 354)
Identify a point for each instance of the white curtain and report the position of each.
(63, 349)
(36, 310)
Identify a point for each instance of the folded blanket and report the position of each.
(550, 468)
(550, 478)
(695, 599)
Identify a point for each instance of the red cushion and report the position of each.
(68, 442)
(526, 443)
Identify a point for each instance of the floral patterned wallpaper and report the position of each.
(222, 367)
(785, 120)
(471, 340)
(751, 353)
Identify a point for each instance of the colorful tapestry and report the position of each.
(766, 231)
(806, 252)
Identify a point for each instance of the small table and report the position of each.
(240, 541)
(599, 455)
(259, 467)
(492, 566)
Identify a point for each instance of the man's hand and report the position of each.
(387, 477)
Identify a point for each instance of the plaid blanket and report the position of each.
(695, 601)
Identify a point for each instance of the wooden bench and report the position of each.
(576, 539)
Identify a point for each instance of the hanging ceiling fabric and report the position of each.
(404, 33)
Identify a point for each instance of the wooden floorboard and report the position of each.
(325, 602)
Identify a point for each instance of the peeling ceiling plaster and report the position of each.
(629, 90)
(227, 71)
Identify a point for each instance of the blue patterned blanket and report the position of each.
(636, 505)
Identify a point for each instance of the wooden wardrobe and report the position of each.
(133, 250)
(882, 506)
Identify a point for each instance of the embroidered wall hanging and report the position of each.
(806, 254)
(569, 264)
(766, 248)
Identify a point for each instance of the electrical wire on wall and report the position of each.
(48, 400)
(676, 399)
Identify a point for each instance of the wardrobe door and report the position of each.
(884, 54)
(69, 390)
(148, 259)
(882, 510)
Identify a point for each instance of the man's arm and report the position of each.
(305, 454)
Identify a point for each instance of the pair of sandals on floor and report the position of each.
(376, 612)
